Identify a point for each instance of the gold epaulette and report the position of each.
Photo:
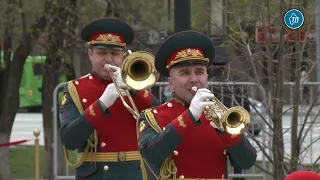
(92, 141)
(152, 121)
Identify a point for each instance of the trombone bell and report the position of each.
(138, 70)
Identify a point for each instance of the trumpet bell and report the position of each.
(138, 70)
(236, 120)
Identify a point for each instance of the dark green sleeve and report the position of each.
(155, 145)
(75, 127)
(242, 155)
(154, 102)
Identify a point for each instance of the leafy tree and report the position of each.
(17, 45)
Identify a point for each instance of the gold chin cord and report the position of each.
(138, 72)
(234, 120)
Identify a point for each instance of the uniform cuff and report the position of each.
(185, 122)
(229, 140)
(95, 114)
(106, 111)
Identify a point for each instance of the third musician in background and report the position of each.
(176, 139)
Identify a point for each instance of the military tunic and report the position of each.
(170, 138)
(106, 140)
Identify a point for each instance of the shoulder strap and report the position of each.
(152, 120)
(92, 140)
(75, 96)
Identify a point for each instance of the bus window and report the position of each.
(37, 69)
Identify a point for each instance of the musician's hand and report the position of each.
(110, 94)
(116, 72)
(198, 103)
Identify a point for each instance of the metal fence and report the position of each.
(239, 89)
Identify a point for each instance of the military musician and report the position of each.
(93, 119)
(175, 139)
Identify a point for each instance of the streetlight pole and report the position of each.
(317, 19)
(182, 15)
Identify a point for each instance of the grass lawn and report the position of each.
(22, 163)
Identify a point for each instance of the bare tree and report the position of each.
(269, 70)
(58, 33)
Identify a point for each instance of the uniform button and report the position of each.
(222, 177)
(90, 77)
(77, 82)
(106, 168)
(84, 100)
(175, 152)
(169, 104)
(103, 144)
(155, 111)
(164, 128)
(182, 176)
(225, 152)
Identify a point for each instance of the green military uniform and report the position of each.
(175, 145)
(106, 140)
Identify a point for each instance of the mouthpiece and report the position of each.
(107, 67)
(194, 88)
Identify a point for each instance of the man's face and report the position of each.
(183, 78)
(99, 57)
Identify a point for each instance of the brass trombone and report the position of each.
(138, 72)
(234, 120)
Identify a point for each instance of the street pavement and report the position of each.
(25, 123)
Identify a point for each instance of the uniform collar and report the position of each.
(178, 100)
(99, 79)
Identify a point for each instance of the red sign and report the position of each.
(274, 35)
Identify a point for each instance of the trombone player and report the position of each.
(175, 139)
(93, 119)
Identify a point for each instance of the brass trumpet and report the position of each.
(138, 72)
(234, 120)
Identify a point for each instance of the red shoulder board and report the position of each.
(89, 88)
(167, 112)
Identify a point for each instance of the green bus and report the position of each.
(31, 84)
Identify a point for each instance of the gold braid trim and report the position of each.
(168, 168)
(142, 166)
(75, 96)
(92, 140)
(152, 120)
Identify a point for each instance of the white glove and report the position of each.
(198, 103)
(116, 72)
(111, 94)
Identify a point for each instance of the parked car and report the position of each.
(257, 122)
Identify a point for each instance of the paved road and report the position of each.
(25, 123)
(310, 153)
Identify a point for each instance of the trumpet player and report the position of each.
(175, 139)
(93, 119)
